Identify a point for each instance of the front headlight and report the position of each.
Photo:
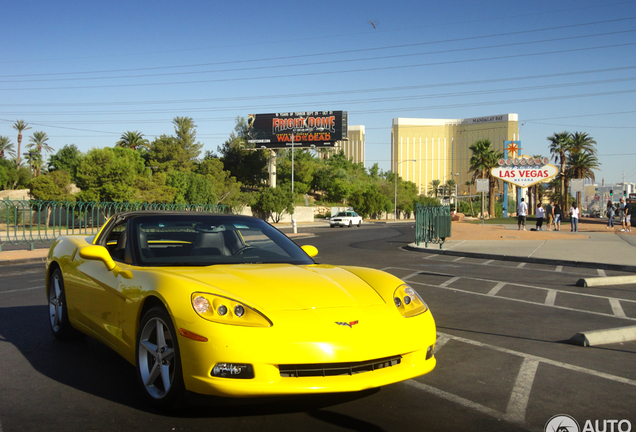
(408, 301)
(224, 310)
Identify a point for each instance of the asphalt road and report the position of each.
(503, 364)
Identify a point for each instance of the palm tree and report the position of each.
(450, 184)
(469, 184)
(560, 144)
(34, 159)
(582, 142)
(434, 188)
(6, 147)
(132, 140)
(484, 159)
(20, 126)
(38, 142)
(581, 165)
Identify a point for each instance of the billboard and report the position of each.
(317, 128)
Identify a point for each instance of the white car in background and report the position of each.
(345, 218)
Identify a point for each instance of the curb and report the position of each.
(602, 281)
(548, 261)
(602, 337)
(22, 261)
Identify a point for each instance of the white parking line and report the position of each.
(520, 395)
(487, 262)
(521, 265)
(550, 298)
(559, 269)
(19, 290)
(518, 403)
(617, 308)
(601, 272)
(440, 342)
(496, 289)
(458, 259)
(450, 281)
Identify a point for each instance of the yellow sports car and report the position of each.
(227, 305)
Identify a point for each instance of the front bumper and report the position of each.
(268, 348)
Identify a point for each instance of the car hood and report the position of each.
(286, 287)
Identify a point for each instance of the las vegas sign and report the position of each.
(525, 171)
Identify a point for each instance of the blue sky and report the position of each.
(86, 72)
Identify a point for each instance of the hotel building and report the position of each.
(441, 146)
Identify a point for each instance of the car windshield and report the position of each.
(199, 240)
(343, 214)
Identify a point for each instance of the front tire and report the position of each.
(58, 310)
(158, 359)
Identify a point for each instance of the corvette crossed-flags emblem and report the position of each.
(349, 324)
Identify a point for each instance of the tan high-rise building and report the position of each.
(354, 147)
(441, 146)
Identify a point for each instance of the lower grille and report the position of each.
(335, 369)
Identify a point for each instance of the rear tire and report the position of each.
(159, 360)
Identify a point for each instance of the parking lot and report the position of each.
(504, 361)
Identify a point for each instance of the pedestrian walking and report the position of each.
(522, 213)
(557, 217)
(609, 212)
(574, 218)
(540, 216)
(549, 211)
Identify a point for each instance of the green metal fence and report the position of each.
(432, 224)
(28, 222)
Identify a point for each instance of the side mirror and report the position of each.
(97, 253)
(310, 250)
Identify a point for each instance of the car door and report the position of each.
(96, 298)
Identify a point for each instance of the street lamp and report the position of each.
(395, 202)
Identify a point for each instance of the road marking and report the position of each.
(456, 399)
(487, 262)
(559, 269)
(450, 281)
(545, 360)
(550, 298)
(19, 290)
(520, 396)
(518, 403)
(617, 308)
(601, 272)
(496, 289)
(386, 269)
(439, 343)
(458, 259)
(521, 265)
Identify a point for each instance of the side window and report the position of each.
(116, 242)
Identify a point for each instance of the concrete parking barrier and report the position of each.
(602, 281)
(603, 337)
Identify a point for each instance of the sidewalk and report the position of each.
(592, 246)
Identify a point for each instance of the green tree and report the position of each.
(483, 159)
(273, 202)
(167, 153)
(581, 165)
(34, 160)
(434, 185)
(132, 140)
(8, 174)
(20, 126)
(225, 187)
(54, 186)
(248, 166)
(6, 147)
(110, 175)
(560, 144)
(38, 141)
(68, 159)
